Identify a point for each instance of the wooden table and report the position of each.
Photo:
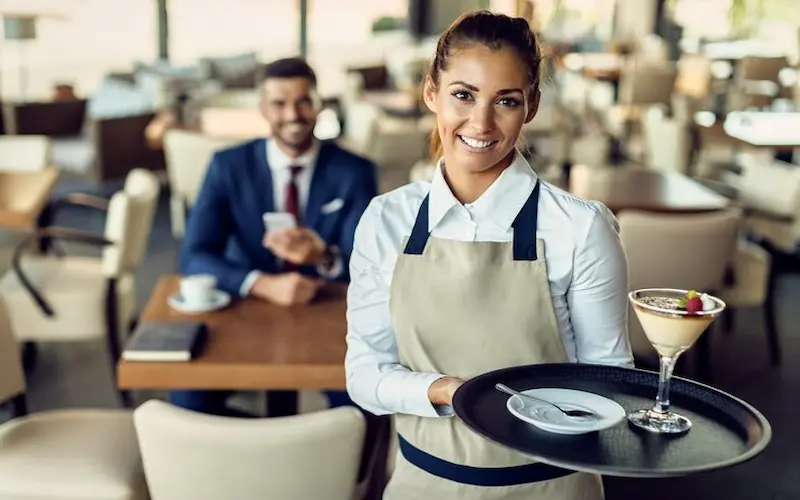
(630, 188)
(252, 345)
(24, 195)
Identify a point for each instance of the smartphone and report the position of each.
(279, 221)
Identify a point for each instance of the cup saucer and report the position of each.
(217, 300)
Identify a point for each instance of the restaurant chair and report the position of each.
(769, 191)
(63, 454)
(193, 456)
(667, 142)
(19, 153)
(685, 251)
(53, 297)
(188, 155)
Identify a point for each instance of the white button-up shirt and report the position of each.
(281, 172)
(586, 268)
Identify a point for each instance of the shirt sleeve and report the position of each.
(598, 294)
(376, 380)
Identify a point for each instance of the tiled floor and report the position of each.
(79, 376)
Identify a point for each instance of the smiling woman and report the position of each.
(483, 268)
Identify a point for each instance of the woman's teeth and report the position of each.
(474, 143)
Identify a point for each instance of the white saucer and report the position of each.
(218, 300)
(550, 419)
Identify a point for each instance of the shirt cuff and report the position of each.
(335, 268)
(412, 395)
(248, 283)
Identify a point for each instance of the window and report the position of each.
(344, 33)
(76, 44)
(221, 28)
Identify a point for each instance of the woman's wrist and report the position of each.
(441, 391)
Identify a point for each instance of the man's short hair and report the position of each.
(292, 67)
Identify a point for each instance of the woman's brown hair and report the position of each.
(495, 31)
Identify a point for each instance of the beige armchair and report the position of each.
(192, 456)
(24, 152)
(63, 454)
(58, 298)
(770, 193)
(188, 155)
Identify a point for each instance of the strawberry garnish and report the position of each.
(691, 303)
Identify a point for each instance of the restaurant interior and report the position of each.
(681, 116)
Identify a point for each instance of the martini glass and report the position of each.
(671, 331)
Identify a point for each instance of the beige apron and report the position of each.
(463, 309)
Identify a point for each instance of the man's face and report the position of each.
(290, 105)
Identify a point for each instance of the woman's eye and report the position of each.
(509, 102)
(461, 95)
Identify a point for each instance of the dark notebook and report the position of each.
(165, 342)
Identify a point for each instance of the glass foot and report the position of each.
(660, 423)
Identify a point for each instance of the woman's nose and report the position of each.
(482, 118)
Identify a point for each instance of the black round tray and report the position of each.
(725, 430)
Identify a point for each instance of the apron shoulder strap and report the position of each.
(525, 227)
(420, 233)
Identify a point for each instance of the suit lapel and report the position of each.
(262, 178)
(320, 186)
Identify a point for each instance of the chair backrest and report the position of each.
(129, 222)
(188, 155)
(195, 456)
(646, 84)
(667, 142)
(687, 251)
(770, 186)
(24, 152)
(360, 125)
(694, 76)
(12, 377)
(759, 68)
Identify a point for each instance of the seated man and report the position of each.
(325, 187)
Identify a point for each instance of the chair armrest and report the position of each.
(49, 232)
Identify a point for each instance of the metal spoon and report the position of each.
(569, 413)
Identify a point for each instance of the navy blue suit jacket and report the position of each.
(225, 228)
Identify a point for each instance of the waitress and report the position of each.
(485, 267)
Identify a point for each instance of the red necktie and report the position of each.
(293, 206)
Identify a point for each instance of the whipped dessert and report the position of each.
(673, 323)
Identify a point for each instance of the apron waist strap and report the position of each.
(479, 476)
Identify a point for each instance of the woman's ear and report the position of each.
(429, 94)
(533, 106)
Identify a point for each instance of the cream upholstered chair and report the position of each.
(192, 456)
(770, 193)
(63, 454)
(668, 143)
(24, 152)
(55, 298)
(188, 155)
(685, 251)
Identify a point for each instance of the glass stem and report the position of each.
(667, 364)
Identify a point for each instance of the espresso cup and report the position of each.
(197, 289)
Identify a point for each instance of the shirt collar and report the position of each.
(278, 160)
(500, 203)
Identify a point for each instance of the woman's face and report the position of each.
(480, 106)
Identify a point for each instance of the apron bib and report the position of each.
(463, 309)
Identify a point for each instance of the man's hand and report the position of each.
(286, 289)
(301, 246)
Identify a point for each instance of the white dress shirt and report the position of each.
(586, 268)
(281, 172)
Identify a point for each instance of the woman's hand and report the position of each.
(441, 392)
